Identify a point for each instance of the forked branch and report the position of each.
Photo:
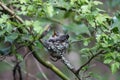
(85, 64)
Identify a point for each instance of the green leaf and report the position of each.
(108, 61)
(10, 38)
(28, 23)
(3, 18)
(27, 37)
(30, 8)
(23, 1)
(37, 27)
(23, 8)
(19, 57)
(97, 2)
(72, 2)
(115, 30)
(4, 50)
(2, 32)
(39, 45)
(87, 41)
(116, 38)
(85, 9)
(115, 66)
(9, 27)
(100, 18)
(48, 8)
(100, 10)
(77, 28)
(85, 50)
(82, 1)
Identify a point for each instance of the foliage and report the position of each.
(82, 19)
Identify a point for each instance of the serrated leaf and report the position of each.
(48, 8)
(100, 18)
(100, 10)
(108, 61)
(97, 2)
(23, 8)
(30, 8)
(85, 8)
(37, 27)
(115, 66)
(3, 18)
(10, 38)
(72, 2)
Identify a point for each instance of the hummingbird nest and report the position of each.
(57, 45)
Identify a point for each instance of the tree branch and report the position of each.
(12, 13)
(98, 53)
(50, 66)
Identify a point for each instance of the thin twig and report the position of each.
(27, 54)
(69, 66)
(98, 53)
(12, 13)
(29, 74)
(16, 69)
(40, 69)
